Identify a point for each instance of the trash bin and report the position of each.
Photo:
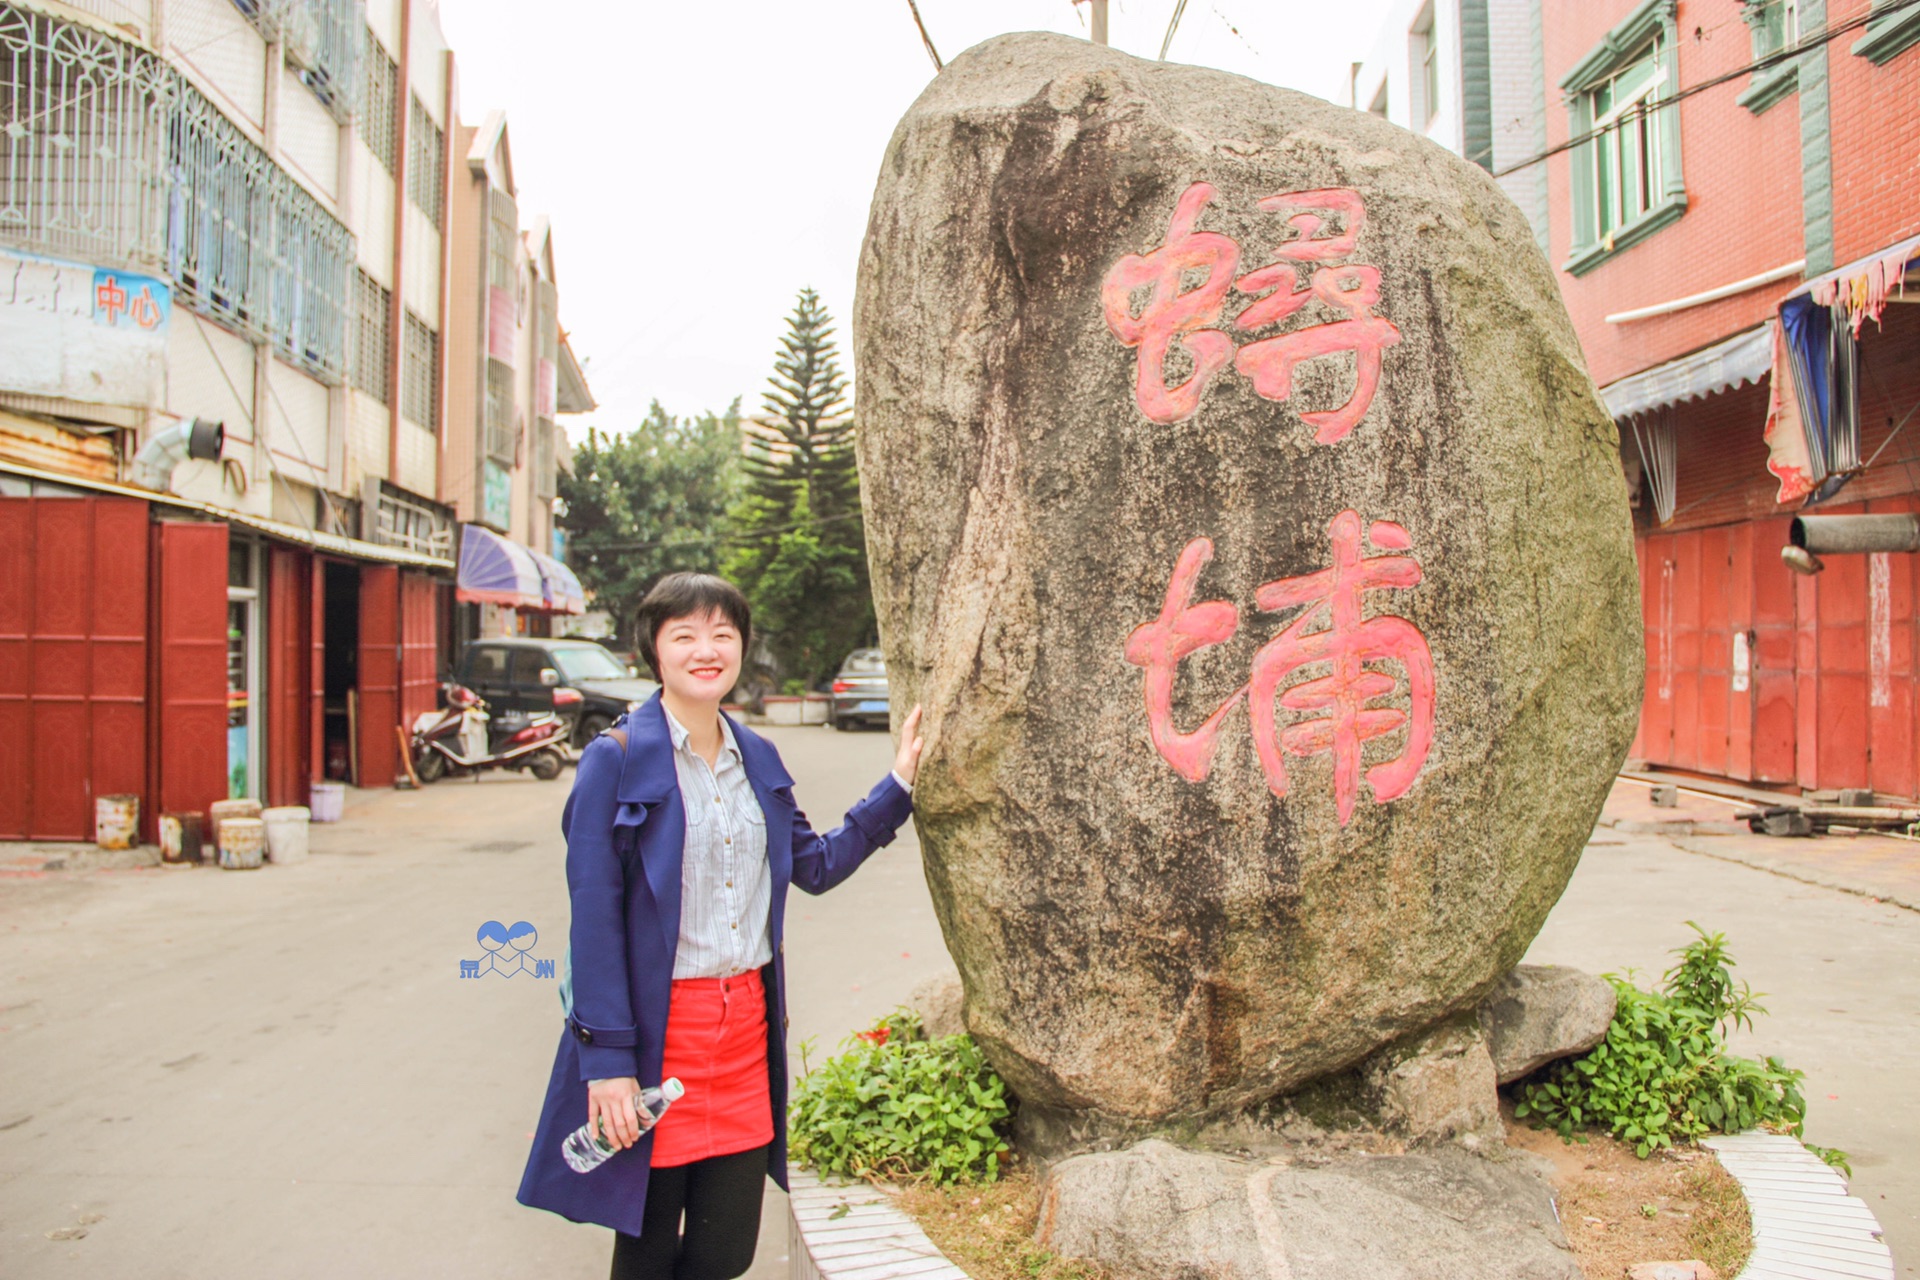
(180, 836)
(243, 843)
(286, 833)
(220, 811)
(328, 800)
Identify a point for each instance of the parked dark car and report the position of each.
(512, 675)
(860, 690)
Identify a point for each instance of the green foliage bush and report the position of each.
(1663, 1073)
(896, 1104)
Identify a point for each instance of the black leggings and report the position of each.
(721, 1199)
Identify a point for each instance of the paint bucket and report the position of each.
(221, 810)
(180, 837)
(116, 821)
(286, 833)
(243, 843)
(328, 801)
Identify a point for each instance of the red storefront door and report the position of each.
(189, 671)
(73, 661)
(290, 584)
(379, 674)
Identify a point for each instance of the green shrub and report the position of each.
(1663, 1073)
(895, 1104)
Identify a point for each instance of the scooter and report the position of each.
(455, 740)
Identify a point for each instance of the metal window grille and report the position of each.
(420, 390)
(426, 164)
(108, 154)
(501, 444)
(324, 40)
(372, 325)
(543, 461)
(379, 122)
(82, 116)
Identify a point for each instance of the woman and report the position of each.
(681, 842)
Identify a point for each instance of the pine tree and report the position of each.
(800, 548)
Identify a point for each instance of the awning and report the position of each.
(319, 540)
(562, 590)
(1743, 358)
(497, 570)
(1862, 287)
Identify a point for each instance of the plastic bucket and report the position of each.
(286, 833)
(243, 843)
(221, 811)
(116, 821)
(327, 801)
(180, 837)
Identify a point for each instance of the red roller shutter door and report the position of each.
(73, 661)
(379, 679)
(190, 665)
(1774, 639)
(289, 679)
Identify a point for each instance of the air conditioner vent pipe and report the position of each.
(1844, 535)
(196, 438)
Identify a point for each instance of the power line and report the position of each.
(926, 39)
(1826, 36)
(1173, 25)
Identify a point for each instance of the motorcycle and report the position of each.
(456, 739)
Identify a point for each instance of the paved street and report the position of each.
(281, 1074)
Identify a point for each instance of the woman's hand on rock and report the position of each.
(907, 761)
(613, 1108)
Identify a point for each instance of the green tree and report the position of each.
(652, 502)
(798, 548)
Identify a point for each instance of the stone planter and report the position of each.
(817, 708)
(781, 708)
(870, 1239)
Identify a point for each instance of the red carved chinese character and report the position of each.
(143, 311)
(1354, 289)
(110, 298)
(1348, 642)
(1181, 629)
(1171, 313)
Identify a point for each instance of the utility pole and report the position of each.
(1099, 21)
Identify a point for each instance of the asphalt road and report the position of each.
(281, 1073)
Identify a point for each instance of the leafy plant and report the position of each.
(895, 1104)
(1663, 1073)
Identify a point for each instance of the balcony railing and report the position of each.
(324, 44)
(109, 155)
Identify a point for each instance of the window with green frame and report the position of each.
(1774, 25)
(1626, 178)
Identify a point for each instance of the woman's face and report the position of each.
(699, 656)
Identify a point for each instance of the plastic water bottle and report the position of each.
(585, 1151)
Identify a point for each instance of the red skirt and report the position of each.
(717, 1046)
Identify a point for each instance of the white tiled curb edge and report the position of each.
(851, 1231)
(1805, 1225)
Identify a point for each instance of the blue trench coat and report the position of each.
(626, 829)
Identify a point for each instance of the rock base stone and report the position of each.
(1160, 1212)
(1541, 1013)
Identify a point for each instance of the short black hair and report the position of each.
(691, 595)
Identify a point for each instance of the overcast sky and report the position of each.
(702, 162)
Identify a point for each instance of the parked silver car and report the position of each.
(860, 690)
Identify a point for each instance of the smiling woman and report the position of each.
(682, 839)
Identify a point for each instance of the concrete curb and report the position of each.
(851, 1231)
(1805, 1225)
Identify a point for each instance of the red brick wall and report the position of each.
(1876, 143)
(1743, 196)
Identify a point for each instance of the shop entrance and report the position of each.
(340, 663)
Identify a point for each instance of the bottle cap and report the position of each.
(671, 1089)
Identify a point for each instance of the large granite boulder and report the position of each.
(1240, 508)
(1159, 1212)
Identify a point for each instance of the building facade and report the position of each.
(1726, 193)
(227, 557)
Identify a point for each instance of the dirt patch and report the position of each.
(1619, 1210)
(988, 1231)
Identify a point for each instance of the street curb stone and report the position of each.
(851, 1231)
